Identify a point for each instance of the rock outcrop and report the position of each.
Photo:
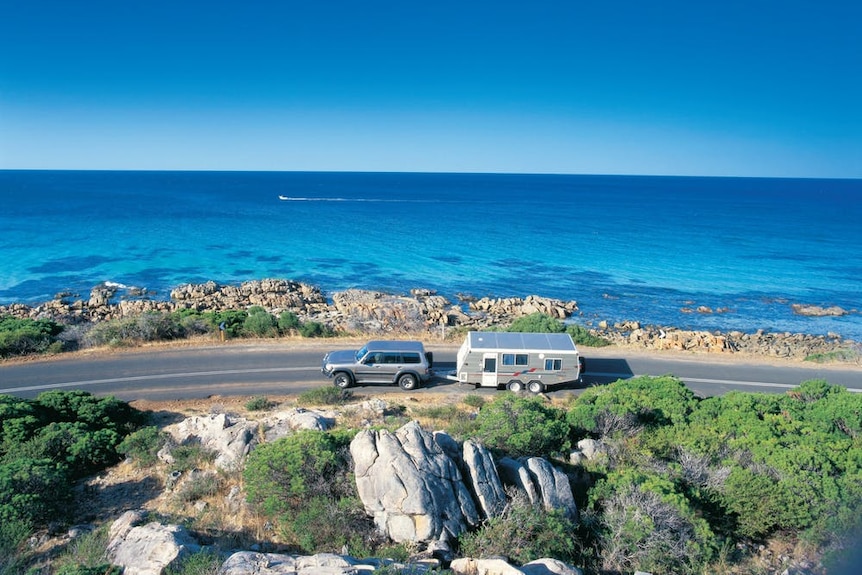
(407, 483)
(149, 548)
(229, 438)
(484, 480)
(423, 311)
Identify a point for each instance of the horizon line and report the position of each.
(422, 172)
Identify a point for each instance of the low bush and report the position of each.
(260, 323)
(304, 484)
(628, 404)
(473, 400)
(288, 322)
(259, 403)
(522, 426)
(315, 329)
(647, 524)
(582, 336)
(281, 476)
(329, 395)
(191, 456)
(204, 562)
(26, 336)
(85, 555)
(537, 323)
(523, 532)
(142, 446)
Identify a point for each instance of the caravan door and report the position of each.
(489, 370)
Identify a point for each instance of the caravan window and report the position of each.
(515, 359)
(553, 364)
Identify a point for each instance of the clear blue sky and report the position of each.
(736, 88)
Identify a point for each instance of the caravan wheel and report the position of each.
(515, 386)
(536, 386)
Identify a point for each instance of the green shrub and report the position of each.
(191, 456)
(26, 336)
(13, 535)
(836, 355)
(474, 401)
(327, 525)
(83, 451)
(582, 336)
(522, 426)
(329, 395)
(522, 533)
(198, 486)
(283, 475)
(95, 412)
(627, 404)
(203, 562)
(142, 446)
(101, 569)
(259, 403)
(260, 323)
(86, 555)
(233, 320)
(33, 491)
(646, 524)
(288, 322)
(315, 329)
(146, 327)
(537, 323)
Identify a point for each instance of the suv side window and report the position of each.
(411, 358)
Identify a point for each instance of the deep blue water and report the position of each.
(625, 247)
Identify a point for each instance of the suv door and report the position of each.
(378, 367)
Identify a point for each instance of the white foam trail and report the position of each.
(381, 200)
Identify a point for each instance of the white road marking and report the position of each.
(155, 377)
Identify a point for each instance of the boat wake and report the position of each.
(381, 200)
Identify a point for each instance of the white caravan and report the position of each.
(517, 361)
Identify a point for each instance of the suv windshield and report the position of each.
(361, 353)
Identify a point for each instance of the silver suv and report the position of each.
(381, 361)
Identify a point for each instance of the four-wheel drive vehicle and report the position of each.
(381, 361)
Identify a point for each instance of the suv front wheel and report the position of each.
(408, 382)
(342, 380)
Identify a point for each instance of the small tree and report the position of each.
(259, 323)
(522, 426)
(288, 322)
(537, 323)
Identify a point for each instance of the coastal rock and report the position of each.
(408, 484)
(285, 422)
(229, 439)
(553, 486)
(513, 473)
(483, 479)
(148, 549)
(254, 563)
(817, 311)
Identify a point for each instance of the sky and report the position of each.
(732, 88)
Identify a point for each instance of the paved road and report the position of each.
(282, 369)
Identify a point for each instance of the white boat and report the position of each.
(283, 198)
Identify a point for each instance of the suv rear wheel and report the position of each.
(408, 382)
(342, 380)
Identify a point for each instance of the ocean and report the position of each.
(651, 249)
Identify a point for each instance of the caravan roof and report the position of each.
(525, 341)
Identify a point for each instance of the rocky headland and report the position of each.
(424, 312)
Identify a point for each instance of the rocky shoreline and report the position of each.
(422, 312)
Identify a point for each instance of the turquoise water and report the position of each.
(624, 247)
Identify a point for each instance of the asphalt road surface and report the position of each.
(284, 369)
